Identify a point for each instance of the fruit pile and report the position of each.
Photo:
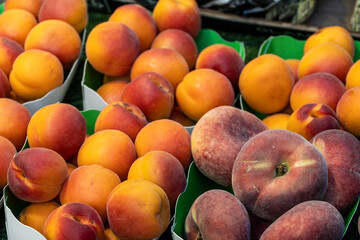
(119, 173)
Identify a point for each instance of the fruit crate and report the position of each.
(93, 79)
(286, 47)
(57, 94)
(13, 205)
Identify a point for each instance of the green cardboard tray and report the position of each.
(197, 183)
(13, 205)
(285, 47)
(57, 94)
(93, 79)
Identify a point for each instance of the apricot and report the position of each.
(178, 115)
(265, 83)
(74, 221)
(178, 14)
(36, 214)
(326, 57)
(224, 59)
(277, 120)
(30, 86)
(180, 41)
(352, 78)
(164, 170)
(32, 6)
(311, 119)
(318, 87)
(109, 235)
(74, 12)
(348, 110)
(58, 38)
(138, 209)
(111, 48)
(333, 34)
(166, 135)
(112, 149)
(9, 51)
(16, 24)
(7, 152)
(124, 78)
(14, 121)
(91, 185)
(37, 174)
(112, 91)
(202, 90)
(122, 116)
(138, 19)
(294, 65)
(4, 85)
(152, 93)
(166, 62)
(60, 127)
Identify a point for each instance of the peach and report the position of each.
(196, 95)
(178, 14)
(312, 118)
(60, 127)
(326, 57)
(57, 37)
(258, 225)
(180, 41)
(319, 87)
(152, 93)
(166, 62)
(294, 65)
(9, 51)
(112, 149)
(138, 209)
(74, 12)
(277, 120)
(178, 115)
(7, 152)
(352, 77)
(122, 116)
(37, 174)
(224, 59)
(164, 170)
(165, 135)
(49, 74)
(348, 111)
(333, 34)
(14, 121)
(341, 151)
(138, 19)
(112, 91)
(91, 185)
(32, 6)
(111, 48)
(4, 85)
(36, 214)
(217, 214)
(265, 83)
(16, 24)
(218, 137)
(74, 221)
(276, 170)
(308, 220)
